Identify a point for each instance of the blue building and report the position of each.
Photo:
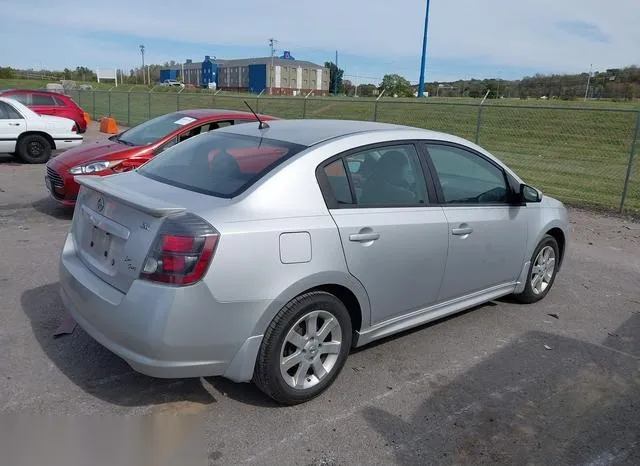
(271, 75)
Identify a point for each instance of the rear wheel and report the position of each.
(304, 349)
(34, 148)
(542, 271)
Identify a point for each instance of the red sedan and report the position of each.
(133, 147)
(49, 103)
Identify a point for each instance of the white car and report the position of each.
(171, 82)
(33, 137)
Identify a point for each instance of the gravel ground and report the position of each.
(558, 381)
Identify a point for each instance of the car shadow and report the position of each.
(7, 159)
(245, 393)
(49, 207)
(95, 369)
(542, 398)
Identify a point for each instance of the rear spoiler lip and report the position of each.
(133, 199)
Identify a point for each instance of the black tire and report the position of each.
(267, 375)
(34, 148)
(528, 295)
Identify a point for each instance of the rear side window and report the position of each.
(382, 177)
(218, 164)
(59, 102)
(42, 100)
(7, 112)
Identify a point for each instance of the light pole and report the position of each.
(272, 73)
(142, 53)
(424, 53)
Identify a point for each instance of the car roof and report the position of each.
(215, 112)
(309, 132)
(40, 91)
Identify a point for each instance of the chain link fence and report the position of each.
(583, 156)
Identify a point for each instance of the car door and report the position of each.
(487, 232)
(12, 124)
(394, 238)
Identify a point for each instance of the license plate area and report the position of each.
(47, 182)
(99, 244)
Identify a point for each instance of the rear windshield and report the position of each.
(218, 164)
(152, 130)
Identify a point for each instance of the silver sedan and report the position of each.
(265, 253)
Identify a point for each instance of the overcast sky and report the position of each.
(467, 38)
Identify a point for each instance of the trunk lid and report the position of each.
(114, 227)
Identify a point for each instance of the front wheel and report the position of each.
(34, 148)
(304, 349)
(542, 271)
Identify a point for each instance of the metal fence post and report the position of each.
(375, 108)
(632, 153)
(129, 108)
(304, 106)
(479, 122)
(258, 101)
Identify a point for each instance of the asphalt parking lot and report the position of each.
(554, 382)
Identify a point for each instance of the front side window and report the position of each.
(383, 176)
(467, 178)
(218, 164)
(152, 130)
(20, 97)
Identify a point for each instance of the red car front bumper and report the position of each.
(61, 184)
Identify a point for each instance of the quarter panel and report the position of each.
(247, 265)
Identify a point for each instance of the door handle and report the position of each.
(364, 237)
(14, 124)
(462, 231)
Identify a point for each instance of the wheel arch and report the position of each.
(340, 284)
(561, 239)
(45, 135)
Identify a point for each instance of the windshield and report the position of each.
(154, 129)
(218, 164)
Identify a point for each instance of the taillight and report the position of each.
(182, 251)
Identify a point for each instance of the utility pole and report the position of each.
(273, 71)
(424, 53)
(142, 53)
(586, 93)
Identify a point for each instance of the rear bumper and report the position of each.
(162, 331)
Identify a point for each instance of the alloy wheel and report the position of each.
(310, 349)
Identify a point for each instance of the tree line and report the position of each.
(614, 83)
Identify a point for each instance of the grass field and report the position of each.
(577, 151)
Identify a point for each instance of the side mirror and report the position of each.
(530, 194)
